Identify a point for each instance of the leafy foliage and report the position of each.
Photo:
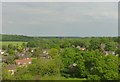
(66, 60)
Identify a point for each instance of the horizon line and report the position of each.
(54, 35)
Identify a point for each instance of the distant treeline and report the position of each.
(6, 37)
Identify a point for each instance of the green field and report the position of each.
(13, 43)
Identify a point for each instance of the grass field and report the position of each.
(14, 43)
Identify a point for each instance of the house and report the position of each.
(61, 50)
(11, 69)
(24, 61)
(32, 51)
(81, 48)
(78, 47)
(102, 46)
(73, 68)
(109, 53)
(46, 56)
(26, 49)
(4, 59)
(6, 54)
(45, 51)
(21, 55)
(1, 52)
(72, 65)
(73, 46)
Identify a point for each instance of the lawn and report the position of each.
(14, 43)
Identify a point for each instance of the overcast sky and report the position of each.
(60, 18)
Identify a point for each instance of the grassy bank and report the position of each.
(60, 78)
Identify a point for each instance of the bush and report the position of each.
(93, 77)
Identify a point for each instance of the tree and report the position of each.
(111, 46)
(4, 47)
(94, 44)
(10, 51)
(11, 46)
(93, 77)
(24, 44)
(10, 59)
(37, 52)
(26, 76)
(68, 58)
(6, 74)
(65, 43)
(32, 44)
(110, 75)
(98, 64)
(81, 43)
(53, 52)
(44, 67)
(23, 74)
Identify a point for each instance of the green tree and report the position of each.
(93, 77)
(68, 58)
(111, 46)
(11, 46)
(37, 52)
(10, 51)
(94, 44)
(110, 75)
(23, 74)
(10, 59)
(53, 52)
(6, 74)
(44, 67)
(20, 48)
(4, 47)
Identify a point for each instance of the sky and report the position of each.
(76, 19)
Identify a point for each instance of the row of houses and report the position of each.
(102, 47)
(24, 60)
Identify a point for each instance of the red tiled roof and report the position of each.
(22, 61)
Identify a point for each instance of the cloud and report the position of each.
(60, 18)
(33, 22)
(10, 22)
